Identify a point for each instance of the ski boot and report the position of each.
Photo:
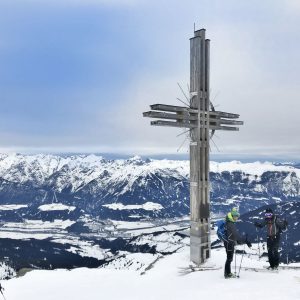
(230, 275)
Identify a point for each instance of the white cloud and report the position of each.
(245, 88)
(292, 6)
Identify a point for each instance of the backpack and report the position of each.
(221, 230)
(281, 225)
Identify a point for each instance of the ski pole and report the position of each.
(258, 246)
(3, 295)
(1, 290)
(234, 260)
(287, 253)
(241, 262)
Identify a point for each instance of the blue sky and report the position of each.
(75, 76)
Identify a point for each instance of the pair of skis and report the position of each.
(259, 269)
(268, 269)
(190, 269)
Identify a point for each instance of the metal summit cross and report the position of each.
(202, 120)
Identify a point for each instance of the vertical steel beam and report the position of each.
(199, 149)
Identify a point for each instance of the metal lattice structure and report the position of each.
(202, 120)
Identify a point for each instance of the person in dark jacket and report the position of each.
(274, 226)
(233, 238)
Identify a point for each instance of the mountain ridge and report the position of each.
(91, 182)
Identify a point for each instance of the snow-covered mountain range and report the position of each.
(84, 210)
(47, 186)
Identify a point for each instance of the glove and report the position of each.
(248, 244)
(256, 224)
(285, 223)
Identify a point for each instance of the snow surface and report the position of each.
(56, 206)
(39, 225)
(25, 236)
(83, 248)
(130, 225)
(35, 229)
(12, 206)
(146, 206)
(163, 280)
(255, 168)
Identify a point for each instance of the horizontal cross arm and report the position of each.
(184, 116)
(164, 115)
(173, 124)
(172, 108)
(214, 121)
(216, 127)
(190, 125)
(224, 114)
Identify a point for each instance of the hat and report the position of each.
(234, 212)
(269, 213)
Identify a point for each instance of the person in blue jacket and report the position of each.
(233, 238)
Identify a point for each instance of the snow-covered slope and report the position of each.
(164, 279)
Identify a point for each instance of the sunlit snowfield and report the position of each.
(167, 278)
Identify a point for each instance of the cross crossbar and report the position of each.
(172, 108)
(173, 124)
(224, 121)
(163, 115)
(185, 119)
(190, 125)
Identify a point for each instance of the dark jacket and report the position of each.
(274, 226)
(232, 234)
